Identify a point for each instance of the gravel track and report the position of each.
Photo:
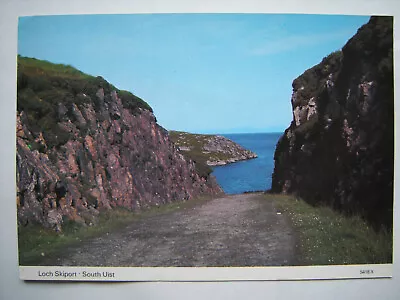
(235, 230)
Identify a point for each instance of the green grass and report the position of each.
(42, 86)
(326, 237)
(196, 142)
(33, 66)
(36, 243)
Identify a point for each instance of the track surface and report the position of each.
(235, 230)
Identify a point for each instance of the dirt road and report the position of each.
(236, 230)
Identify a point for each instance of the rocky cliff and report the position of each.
(339, 148)
(84, 146)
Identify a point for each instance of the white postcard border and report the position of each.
(54, 273)
(230, 273)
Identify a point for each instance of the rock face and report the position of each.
(83, 146)
(339, 148)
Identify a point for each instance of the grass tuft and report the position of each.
(326, 237)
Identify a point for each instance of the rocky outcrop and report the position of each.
(210, 149)
(84, 146)
(222, 145)
(339, 148)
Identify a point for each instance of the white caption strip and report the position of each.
(204, 274)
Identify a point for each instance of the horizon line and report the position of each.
(222, 133)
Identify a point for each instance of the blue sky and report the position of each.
(204, 73)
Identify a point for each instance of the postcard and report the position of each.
(197, 147)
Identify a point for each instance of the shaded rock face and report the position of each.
(339, 148)
(112, 157)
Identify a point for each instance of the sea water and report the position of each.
(249, 175)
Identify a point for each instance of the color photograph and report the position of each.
(204, 140)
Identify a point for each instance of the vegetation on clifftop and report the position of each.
(195, 143)
(42, 86)
(311, 82)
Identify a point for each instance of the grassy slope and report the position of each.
(48, 71)
(40, 67)
(326, 237)
(196, 142)
(195, 154)
(42, 85)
